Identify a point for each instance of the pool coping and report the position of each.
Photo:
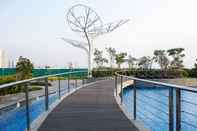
(38, 121)
(139, 125)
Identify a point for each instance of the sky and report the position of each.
(32, 28)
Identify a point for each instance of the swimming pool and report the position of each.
(15, 119)
(152, 107)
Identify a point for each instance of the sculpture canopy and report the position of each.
(85, 21)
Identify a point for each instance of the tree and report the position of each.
(145, 62)
(24, 69)
(195, 65)
(70, 65)
(131, 61)
(161, 58)
(120, 59)
(177, 55)
(112, 54)
(99, 60)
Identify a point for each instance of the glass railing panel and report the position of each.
(152, 106)
(36, 100)
(188, 111)
(16, 114)
(12, 109)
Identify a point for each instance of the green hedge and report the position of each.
(149, 74)
(7, 79)
(17, 89)
(158, 74)
(104, 72)
(192, 72)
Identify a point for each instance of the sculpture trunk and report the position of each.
(89, 54)
(89, 62)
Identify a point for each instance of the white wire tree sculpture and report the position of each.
(86, 22)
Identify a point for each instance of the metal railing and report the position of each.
(161, 106)
(26, 85)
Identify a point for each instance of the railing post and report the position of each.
(134, 99)
(85, 81)
(178, 109)
(171, 110)
(59, 88)
(116, 85)
(27, 106)
(82, 81)
(75, 83)
(121, 86)
(46, 95)
(69, 83)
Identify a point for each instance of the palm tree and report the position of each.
(161, 58)
(112, 54)
(131, 61)
(177, 55)
(145, 62)
(195, 65)
(120, 59)
(99, 60)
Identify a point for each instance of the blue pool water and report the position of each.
(15, 120)
(152, 107)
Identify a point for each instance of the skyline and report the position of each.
(34, 33)
(3, 59)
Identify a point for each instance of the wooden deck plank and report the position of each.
(91, 108)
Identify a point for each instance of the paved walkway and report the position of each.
(91, 108)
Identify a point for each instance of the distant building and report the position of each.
(11, 64)
(3, 59)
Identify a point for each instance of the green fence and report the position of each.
(41, 72)
(7, 71)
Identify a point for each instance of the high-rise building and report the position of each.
(3, 59)
(11, 64)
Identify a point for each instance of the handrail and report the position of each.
(187, 88)
(38, 78)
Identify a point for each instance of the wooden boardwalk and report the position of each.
(91, 108)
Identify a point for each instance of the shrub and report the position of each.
(104, 72)
(39, 83)
(192, 72)
(16, 89)
(158, 74)
(7, 79)
(56, 78)
(142, 73)
(34, 88)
